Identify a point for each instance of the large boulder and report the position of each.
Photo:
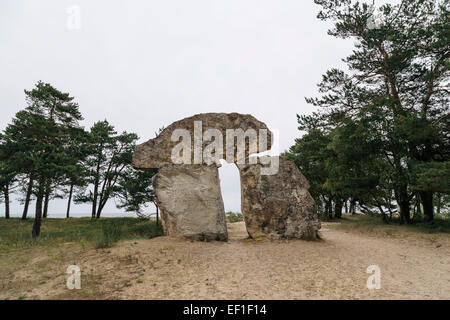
(278, 205)
(191, 202)
(275, 200)
(157, 152)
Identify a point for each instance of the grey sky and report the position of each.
(145, 64)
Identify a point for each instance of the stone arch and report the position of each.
(188, 192)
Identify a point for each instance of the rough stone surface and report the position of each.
(156, 153)
(189, 195)
(279, 205)
(191, 202)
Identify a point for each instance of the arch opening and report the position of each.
(230, 186)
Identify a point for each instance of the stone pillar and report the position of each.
(191, 202)
(279, 205)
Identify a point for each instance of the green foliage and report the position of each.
(111, 232)
(431, 176)
(46, 153)
(15, 235)
(234, 217)
(370, 224)
(36, 142)
(8, 180)
(108, 163)
(144, 229)
(442, 203)
(386, 119)
(136, 190)
(310, 153)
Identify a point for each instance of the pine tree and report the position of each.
(109, 157)
(136, 191)
(397, 77)
(37, 141)
(76, 171)
(8, 177)
(310, 153)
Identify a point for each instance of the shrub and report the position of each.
(111, 232)
(234, 217)
(145, 229)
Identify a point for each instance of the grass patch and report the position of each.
(373, 224)
(15, 234)
(111, 232)
(234, 217)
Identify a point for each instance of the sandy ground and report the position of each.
(333, 268)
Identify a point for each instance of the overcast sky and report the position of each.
(145, 64)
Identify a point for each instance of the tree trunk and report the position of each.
(27, 198)
(438, 207)
(46, 201)
(6, 193)
(403, 204)
(96, 182)
(353, 206)
(329, 208)
(94, 201)
(383, 214)
(404, 212)
(426, 198)
(157, 215)
(416, 208)
(69, 202)
(37, 217)
(99, 211)
(100, 207)
(338, 208)
(101, 204)
(346, 206)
